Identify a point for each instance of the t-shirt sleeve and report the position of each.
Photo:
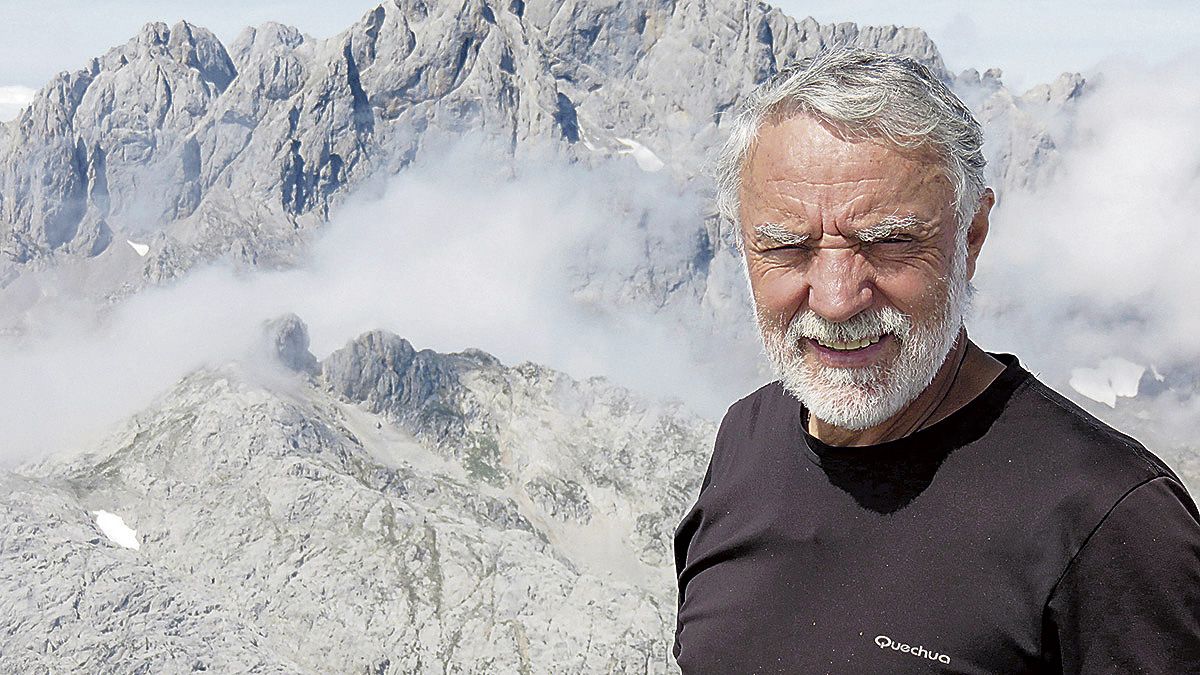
(1129, 602)
(682, 539)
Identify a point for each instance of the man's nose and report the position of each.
(839, 287)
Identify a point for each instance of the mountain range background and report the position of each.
(222, 267)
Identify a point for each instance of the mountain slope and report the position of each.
(403, 511)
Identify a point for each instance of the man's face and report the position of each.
(858, 284)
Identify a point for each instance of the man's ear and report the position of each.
(979, 229)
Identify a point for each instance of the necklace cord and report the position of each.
(953, 378)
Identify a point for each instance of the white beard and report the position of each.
(860, 398)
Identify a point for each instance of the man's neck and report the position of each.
(965, 374)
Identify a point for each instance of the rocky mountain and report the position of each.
(192, 151)
(390, 511)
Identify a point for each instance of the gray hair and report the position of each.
(867, 94)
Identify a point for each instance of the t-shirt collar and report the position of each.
(933, 442)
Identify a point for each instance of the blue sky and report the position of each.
(1032, 41)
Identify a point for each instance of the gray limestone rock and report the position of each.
(202, 153)
(72, 600)
(1023, 132)
(305, 530)
(288, 340)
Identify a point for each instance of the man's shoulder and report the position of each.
(767, 402)
(1074, 438)
(763, 419)
(768, 391)
(1071, 467)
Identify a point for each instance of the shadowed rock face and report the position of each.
(112, 141)
(209, 152)
(405, 511)
(288, 341)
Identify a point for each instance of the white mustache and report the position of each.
(867, 325)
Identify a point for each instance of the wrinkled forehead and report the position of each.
(799, 159)
(805, 144)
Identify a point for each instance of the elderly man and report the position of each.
(899, 500)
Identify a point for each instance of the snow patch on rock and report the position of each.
(114, 527)
(1112, 378)
(646, 159)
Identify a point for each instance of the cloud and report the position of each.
(1098, 262)
(12, 99)
(562, 264)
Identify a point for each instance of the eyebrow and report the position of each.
(889, 226)
(779, 234)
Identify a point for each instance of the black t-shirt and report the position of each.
(1017, 535)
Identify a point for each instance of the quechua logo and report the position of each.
(885, 642)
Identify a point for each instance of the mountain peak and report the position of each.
(238, 153)
(152, 34)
